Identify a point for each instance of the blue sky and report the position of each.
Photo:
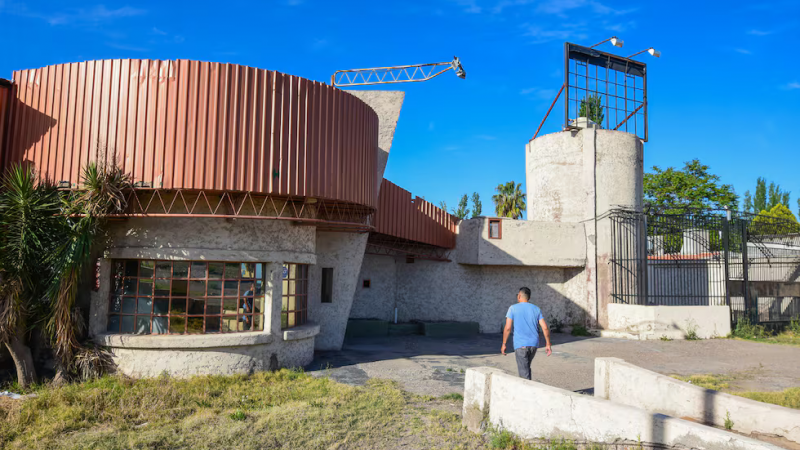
(726, 89)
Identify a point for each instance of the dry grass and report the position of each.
(789, 398)
(267, 410)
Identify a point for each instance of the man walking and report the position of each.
(525, 318)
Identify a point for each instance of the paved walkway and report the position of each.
(434, 366)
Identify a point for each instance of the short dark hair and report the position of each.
(526, 292)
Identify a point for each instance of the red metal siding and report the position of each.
(5, 102)
(196, 125)
(415, 220)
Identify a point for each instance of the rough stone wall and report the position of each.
(343, 252)
(377, 301)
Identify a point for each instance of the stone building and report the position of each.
(260, 221)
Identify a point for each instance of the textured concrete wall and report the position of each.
(628, 384)
(674, 322)
(534, 410)
(344, 252)
(377, 301)
(387, 105)
(522, 243)
(576, 177)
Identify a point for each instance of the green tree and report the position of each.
(31, 225)
(477, 207)
(778, 220)
(509, 200)
(748, 202)
(673, 190)
(443, 205)
(462, 210)
(592, 108)
(760, 199)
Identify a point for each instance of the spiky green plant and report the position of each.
(30, 226)
(592, 108)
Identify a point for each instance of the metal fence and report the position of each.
(707, 257)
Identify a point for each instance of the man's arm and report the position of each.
(506, 333)
(546, 332)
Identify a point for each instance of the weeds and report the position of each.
(754, 332)
(789, 398)
(665, 338)
(728, 421)
(453, 396)
(556, 326)
(580, 330)
(691, 331)
(238, 415)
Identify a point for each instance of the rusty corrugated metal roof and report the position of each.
(415, 220)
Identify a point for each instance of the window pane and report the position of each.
(231, 288)
(130, 286)
(248, 270)
(197, 306)
(246, 305)
(216, 270)
(144, 305)
(178, 306)
(232, 271)
(177, 324)
(292, 304)
(164, 269)
(284, 321)
(195, 325)
(197, 288)
(198, 270)
(245, 323)
(115, 305)
(113, 324)
(259, 271)
(259, 287)
(229, 305)
(228, 324)
(212, 324)
(179, 288)
(291, 319)
(128, 305)
(284, 303)
(145, 287)
(161, 306)
(127, 324)
(162, 288)
(180, 269)
(142, 324)
(131, 268)
(159, 325)
(213, 306)
(146, 269)
(258, 322)
(248, 288)
(258, 304)
(214, 288)
(285, 287)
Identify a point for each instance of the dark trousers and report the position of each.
(524, 357)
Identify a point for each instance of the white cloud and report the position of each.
(159, 32)
(294, 2)
(565, 33)
(756, 32)
(486, 137)
(743, 51)
(130, 48)
(792, 86)
(470, 6)
(538, 93)
(76, 16)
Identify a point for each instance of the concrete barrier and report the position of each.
(534, 410)
(674, 322)
(621, 382)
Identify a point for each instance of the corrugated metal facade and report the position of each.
(5, 102)
(416, 220)
(196, 125)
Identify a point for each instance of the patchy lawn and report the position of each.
(267, 410)
(752, 332)
(789, 398)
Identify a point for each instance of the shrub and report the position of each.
(238, 415)
(747, 330)
(728, 421)
(580, 330)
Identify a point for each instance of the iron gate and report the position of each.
(708, 257)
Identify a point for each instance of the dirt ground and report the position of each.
(431, 366)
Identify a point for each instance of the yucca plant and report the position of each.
(30, 228)
(102, 193)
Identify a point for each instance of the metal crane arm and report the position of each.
(396, 74)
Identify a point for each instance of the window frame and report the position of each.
(300, 295)
(499, 223)
(326, 297)
(174, 316)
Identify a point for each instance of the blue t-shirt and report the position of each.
(526, 318)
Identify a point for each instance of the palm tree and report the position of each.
(30, 227)
(509, 200)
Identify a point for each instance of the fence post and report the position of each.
(745, 271)
(726, 242)
(643, 261)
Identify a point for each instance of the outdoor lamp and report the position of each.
(460, 73)
(650, 50)
(615, 41)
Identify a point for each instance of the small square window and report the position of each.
(327, 287)
(366, 284)
(495, 229)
